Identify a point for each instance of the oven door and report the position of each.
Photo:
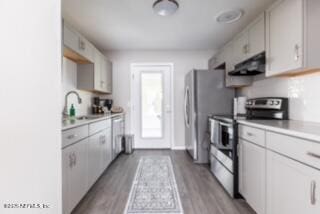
(223, 138)
(226, 136)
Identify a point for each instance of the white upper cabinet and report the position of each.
(233, 81)
(257, 38)
(94, 70)
(240, 48)
(77, 45)
(97, 76)
(251, 41)
(293, 36)
(285, 29)
(106, 75)
(292, 187)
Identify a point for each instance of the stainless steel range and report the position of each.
(223, 137)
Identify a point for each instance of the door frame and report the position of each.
(171, 121)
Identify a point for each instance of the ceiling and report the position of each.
(132, 24)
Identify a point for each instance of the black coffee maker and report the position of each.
(108, 103)
(97, 108)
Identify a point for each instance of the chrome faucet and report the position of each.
(65, 111)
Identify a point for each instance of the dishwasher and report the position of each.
(117, 136)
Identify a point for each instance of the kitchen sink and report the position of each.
(89, 117)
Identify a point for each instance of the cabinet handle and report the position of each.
(82, 44)
(238, 149)
(250, 134)
(72, 136)
(296, 52)
(70, 161)
(247, 48)
(314, 155)
(313, 192)
(244, 49)
(74, 159)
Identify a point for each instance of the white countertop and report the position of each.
(69, 124)
(301, 129)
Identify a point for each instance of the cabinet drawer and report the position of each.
(97, 126)
(305, 151)
(254, 135)
(73, 135)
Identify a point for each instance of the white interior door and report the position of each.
(151, 106)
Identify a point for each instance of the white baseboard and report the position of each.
(178, 148)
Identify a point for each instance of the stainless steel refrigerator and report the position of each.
(205, 94)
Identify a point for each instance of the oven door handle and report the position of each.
(225, 124)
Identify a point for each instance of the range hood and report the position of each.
(253, 66)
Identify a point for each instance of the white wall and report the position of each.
(183, 61)
(69, 83)
(303, 93)
(30, 122)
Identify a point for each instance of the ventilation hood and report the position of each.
(253, 66)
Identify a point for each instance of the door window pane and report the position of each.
(151, 104)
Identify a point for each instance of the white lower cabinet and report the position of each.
(74, 166)
(292, 187)
(94, 158)
(99, 154)
(252, 168)
(106, 150)
(83, 161)
(282, 177)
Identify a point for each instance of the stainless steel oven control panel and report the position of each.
(264, 103)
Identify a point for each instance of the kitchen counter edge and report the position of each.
(78, 123)
(300, 129)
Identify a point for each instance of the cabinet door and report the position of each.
(97, 71)
(74, 169)
(94, 158)
(86, 49)
(103, 74)
(109, 76)
(233, 81)
(252, 183)
(106, 153)
(70, 38)
(241, 168)
(292, 188)
(240, 48)
(284, 36)
(256, 37)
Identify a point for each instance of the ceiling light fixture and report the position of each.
(165, 7)
(229, 16)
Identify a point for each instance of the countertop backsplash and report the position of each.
(303, 93)
(69, 83)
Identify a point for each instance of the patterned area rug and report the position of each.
(154, 189)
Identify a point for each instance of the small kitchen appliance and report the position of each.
(223, 137)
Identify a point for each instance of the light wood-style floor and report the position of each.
(199, 191)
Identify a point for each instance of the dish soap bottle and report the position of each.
(72, 112)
